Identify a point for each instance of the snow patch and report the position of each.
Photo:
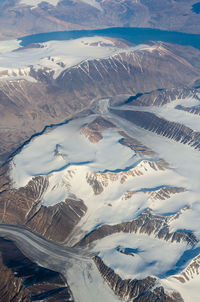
(57, 56)
(93, 3)
(65, 146)
(172, 114)
(35, 3)
(150, 259)
(9, 45)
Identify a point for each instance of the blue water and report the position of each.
(196, 8)
(133, 251)
(128, 250)
(131, 34)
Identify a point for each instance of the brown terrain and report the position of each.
(135, 290)
(93, 131)
(146, 223)
(23, 207)
(142, 78)
(24, 280)
(26, 107)
(19, 20)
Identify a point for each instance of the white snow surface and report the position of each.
(93, 3)
(56, 56)
(189, 290)
(34, 3)
(73, 149)
(9, 45)
(172, 114)
(150, 255)
(67, 159)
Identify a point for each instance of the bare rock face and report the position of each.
(161, 97)
(138, 71)
(189, 273)
(57, 222)
(93, 131)
(135, 290)
(26, 107)
(164, 192)
(175, 131)
(135, 145)
(193, 109)
(68, 15)
(24, 280)
(146, 223)
(99, 181)
(158, 194)
(23, 207)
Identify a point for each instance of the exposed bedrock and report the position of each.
(27, 107)
(191, 271)
(24, 280)
(68, 15)
(93, 131)
(99, 181)
(151, 122)
(161, 97)
(146, 223)
(193, 109)
(164, 192)
(144, 290)
(138, 71)
(23, 207)
(136, 145)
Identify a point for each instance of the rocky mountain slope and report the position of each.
(23, 17)
(53, 88)
(135, 290)
(106, 183)
(24, 280)
(99, 175)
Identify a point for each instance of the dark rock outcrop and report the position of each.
(24, 280)
(26, 107)
(135, 145)
(146, 223)
(192, 110)
(93, 131)
(143, 290)
(161, 97)
(139, 71)
(23, 207)
(68, 15)
(151, 122)
(190, 272)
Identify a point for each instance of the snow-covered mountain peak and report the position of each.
(55, 56)
(128, 196)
